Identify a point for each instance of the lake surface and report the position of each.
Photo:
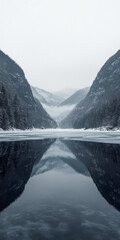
(63, 189)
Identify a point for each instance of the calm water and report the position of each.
(52, 189)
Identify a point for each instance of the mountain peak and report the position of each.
(9, 64)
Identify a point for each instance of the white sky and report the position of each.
(60, 43)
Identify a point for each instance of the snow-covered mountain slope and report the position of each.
(46, 97)
(101, 106)
(76, 97)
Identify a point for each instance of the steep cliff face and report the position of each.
(18, 108)
(101, 106)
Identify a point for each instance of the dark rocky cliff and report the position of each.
(18, 108)
(101, 106)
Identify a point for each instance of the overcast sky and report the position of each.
(60, 43)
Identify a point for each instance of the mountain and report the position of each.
(46, 97)
(76, 97)
(51, 103)
(18, 108)
(101, 106)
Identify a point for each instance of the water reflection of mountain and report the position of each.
(103, 162)
(16, 163)
(59, 157)
(20, 160)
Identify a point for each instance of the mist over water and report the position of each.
(58, 113)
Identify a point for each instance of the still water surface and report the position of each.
(59, 189)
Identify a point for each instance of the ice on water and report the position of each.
(71, 134)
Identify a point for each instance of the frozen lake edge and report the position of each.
(70, 134)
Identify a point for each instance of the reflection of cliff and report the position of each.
(16, 163)
(103, 163)
(58, 157)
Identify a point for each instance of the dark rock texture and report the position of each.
(101, 106)
(18, 108)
